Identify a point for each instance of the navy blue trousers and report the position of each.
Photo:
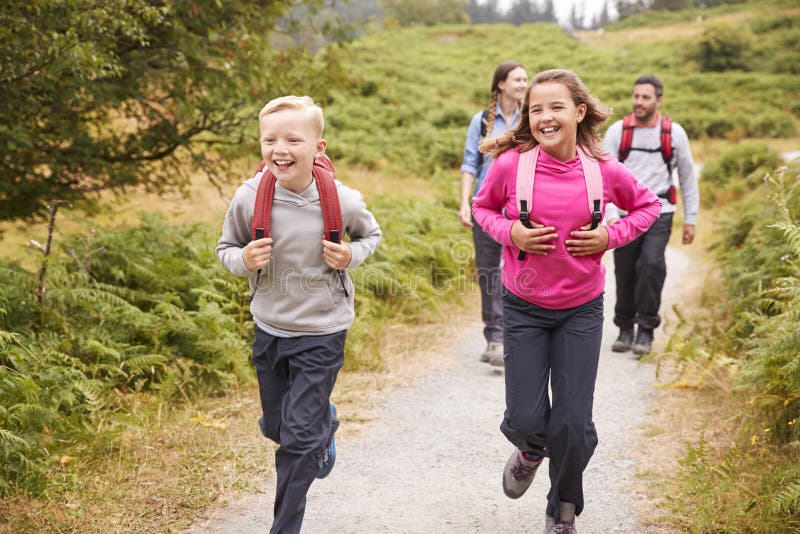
(640, 270)
(295, 379)
(487, 260)
(561, 347)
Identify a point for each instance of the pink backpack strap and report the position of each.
(594, 186)
(526, 170)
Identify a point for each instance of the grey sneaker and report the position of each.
(624, 341)
(644, 342)
(493, 352)
(518, 474)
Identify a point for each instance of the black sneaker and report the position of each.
(329, 456)
(644, 342)
(624, 341)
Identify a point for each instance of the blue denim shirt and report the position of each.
(470, 163)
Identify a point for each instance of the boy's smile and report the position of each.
(289, 144)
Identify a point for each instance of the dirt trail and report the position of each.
(432, 462)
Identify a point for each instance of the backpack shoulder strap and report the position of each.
(666, 140)
(628, 124)
(594, 186)
(324, 179)
(526, 170)
(262, 212)
(484, 122)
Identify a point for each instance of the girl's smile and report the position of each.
(554, 119)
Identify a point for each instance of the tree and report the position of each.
(522, 11)
(626, 8)
(483, 12)
(107, 95)
(576, 16)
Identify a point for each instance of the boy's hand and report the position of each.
(588, 241)
(336, 255)
(533, 240)
(256, 253)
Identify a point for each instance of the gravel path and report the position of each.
(432, 462)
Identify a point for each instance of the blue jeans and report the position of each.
(561, 347)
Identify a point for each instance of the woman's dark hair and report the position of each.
(500, 74)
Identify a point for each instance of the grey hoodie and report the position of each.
(297, 293)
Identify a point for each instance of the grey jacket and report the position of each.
(650, 169)
(297, 293)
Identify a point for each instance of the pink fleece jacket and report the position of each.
(559, 280)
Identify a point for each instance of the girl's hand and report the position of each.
(336, 255)
(533, 240)
(465, 216)
(256, 253)
(588, 241)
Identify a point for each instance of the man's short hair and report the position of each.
(296, 102)
(652, 80)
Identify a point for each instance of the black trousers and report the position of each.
(561, 347)
(295, 379)
(640, 270)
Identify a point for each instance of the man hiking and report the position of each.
(652, 146)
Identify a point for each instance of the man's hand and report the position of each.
(336, 255)
(587, 241)
(533, 240)
(688, 234)
(256, 253)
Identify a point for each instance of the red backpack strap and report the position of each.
(594, 186)
(666, 140)
(628, 124)
(325, 178)
(262, 212)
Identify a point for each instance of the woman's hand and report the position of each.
(336, 255)
(533, 240)
(256, 253)
(587, 241)
(465, 215)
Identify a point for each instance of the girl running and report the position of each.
(553, 279)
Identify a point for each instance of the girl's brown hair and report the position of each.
(501, 72)
(588, 129)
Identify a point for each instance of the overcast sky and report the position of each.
(591, 8)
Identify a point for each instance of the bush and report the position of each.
(722, 47)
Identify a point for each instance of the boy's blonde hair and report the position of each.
(296, 102)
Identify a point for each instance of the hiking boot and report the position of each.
(644, 342)
(566, 525)
(492, 352)
(624, 341)
(518, 474)
(329, 456)
(563, 527)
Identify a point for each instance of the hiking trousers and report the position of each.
(487, 260)
(640, 270)
(562, 346)
(295, 379)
